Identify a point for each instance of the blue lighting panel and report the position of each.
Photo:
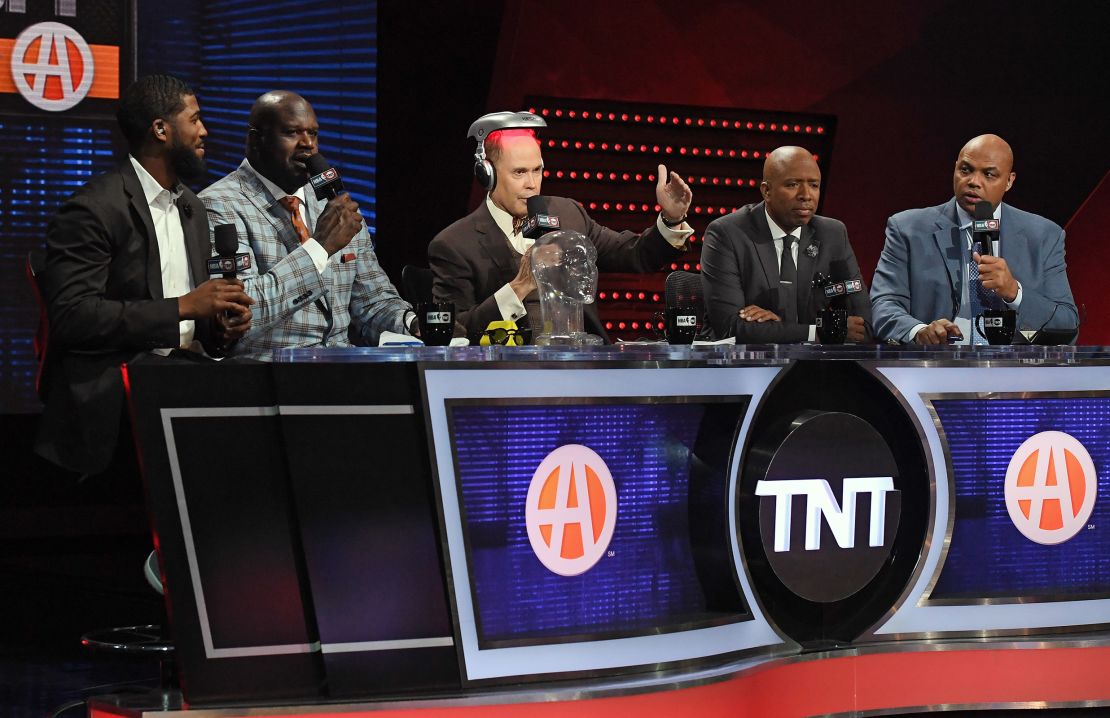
(988, 556)
(646, 579)
(48, 161)
(325, 50)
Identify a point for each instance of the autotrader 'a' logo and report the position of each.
(1050, 487)
(571, 510)
(52, 66)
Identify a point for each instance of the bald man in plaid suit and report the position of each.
(313, 271)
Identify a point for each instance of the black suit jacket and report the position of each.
(472, 259)
(103, 289)
(739, 268)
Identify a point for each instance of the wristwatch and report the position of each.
(671, 223)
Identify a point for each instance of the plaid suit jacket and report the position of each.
(353, 301)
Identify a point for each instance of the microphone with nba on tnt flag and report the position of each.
(538, 222)
(325, 179)
(841, 286)
(984, 229)
(228, 263)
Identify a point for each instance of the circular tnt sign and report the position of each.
(571, 510)
(52, 66)
(1050, 487)
(828, 506)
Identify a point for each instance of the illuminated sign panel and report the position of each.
(1032, 510)
(62, 57)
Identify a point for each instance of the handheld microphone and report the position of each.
(228, 263)
(538, 222)
(324, 178)
(984, 228)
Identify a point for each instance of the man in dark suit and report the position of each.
(925, 290)
(757, 291)
(126, 275)
(477, 260)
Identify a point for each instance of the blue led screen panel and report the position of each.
(659, 571)
(990, 556)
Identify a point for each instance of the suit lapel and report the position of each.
(805, 271)
(950, 244)
(139, 206)
(1012, 242)
(194, 225)
(765, 246)
(271, 210)
(493, 243)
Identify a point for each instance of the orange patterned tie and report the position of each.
(291, 203)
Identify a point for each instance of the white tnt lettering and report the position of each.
(821, 502)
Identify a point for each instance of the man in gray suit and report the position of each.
(754, 288)
(921, 290)
(313, 269)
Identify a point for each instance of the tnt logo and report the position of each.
(820, 502)
(437, 317)
(1050, 487)
(571, 510)
(686, 320)
(52, 66)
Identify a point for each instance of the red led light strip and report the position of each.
(603, 176)
(645, 207)
(655, 149)
(675, 120)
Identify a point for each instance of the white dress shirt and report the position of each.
(174, 262)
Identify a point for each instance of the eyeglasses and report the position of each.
(512, 337)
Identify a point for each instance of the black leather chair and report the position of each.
(34, 267)
(416, 284)
(144, 640)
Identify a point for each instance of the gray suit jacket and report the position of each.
(739, 267)
(922, 270)
(353, 302)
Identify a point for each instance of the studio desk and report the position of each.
(759, 530)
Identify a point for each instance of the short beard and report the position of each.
(186, 164)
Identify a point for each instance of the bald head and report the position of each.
(984, 172)
(281, 137)
(782, 159)
(268, 108)
(791, 186)
(992, 145)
